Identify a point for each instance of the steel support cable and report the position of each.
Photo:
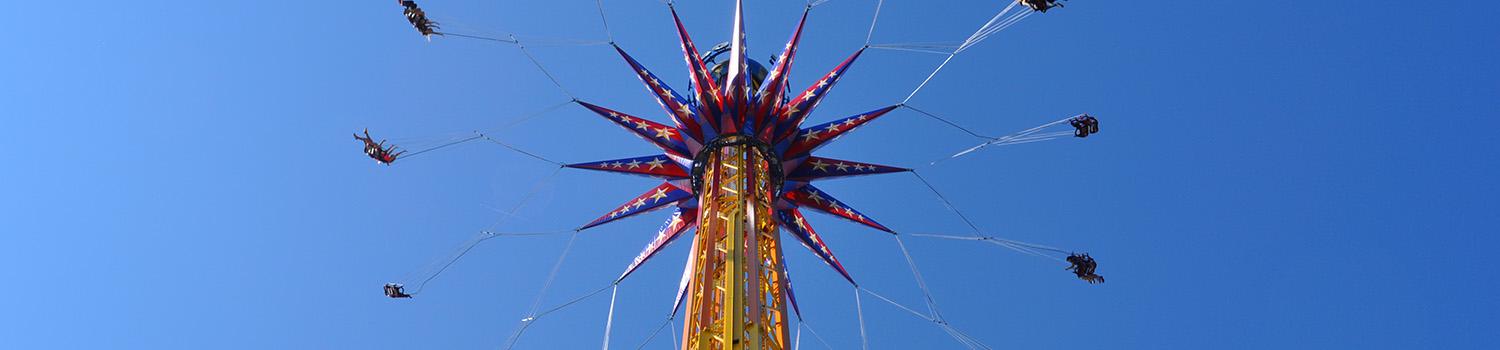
(531, 319)
(859, 308)
(530, 193)
(992, 238)
(947, 203)
(992, 20)
(605, 21)
(429, 149)
(478, 37)
(898, 305)
(955, 336)
(873, 20)
(975, 342)
(814, 332)
(1008, 244)
(929, 77)
(675, 344)
(480, 33)
(936, 314)
(946, 121)
(609, 320)
(967, 43)
(544, 70)
(518, 150)
(1028, 251)
(988, 31)
(655, 333)
(991, 27)
(921, 281)
(1024, 136)
(797, 342)
(933, 48)
(533, 42)
(532, 314)
(488, 232)
(908, 49)
(528, 117)
(479, 134)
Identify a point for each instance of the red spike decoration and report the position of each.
(724, 161)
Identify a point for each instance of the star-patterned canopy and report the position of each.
(730, 106)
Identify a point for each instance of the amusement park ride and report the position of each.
(738, 167)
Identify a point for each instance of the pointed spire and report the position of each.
(811, 197)
(680, 222)
(773, 91)
(810, 139)
(658, 197)
(658, 166)
(668, 138)
(794, 223)
(798, 108)
(706, 91)
(819, 168)
(685, 116)
(736, 86)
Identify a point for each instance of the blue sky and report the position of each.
(179, 175)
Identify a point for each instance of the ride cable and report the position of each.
(488, 233)
(657, 332)
(1024, 136)
(609, 320)
(989, 28)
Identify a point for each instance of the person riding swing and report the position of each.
(418, 18)
(394, 291)
(1083, 266)
(1084, 125)
(1040, 5)
(378, 151)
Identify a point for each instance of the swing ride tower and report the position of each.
(737, 166)
(735, 295)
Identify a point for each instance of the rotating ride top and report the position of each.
(738, 165)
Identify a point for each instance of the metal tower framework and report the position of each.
(736, 297)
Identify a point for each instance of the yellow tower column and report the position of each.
(735, 297)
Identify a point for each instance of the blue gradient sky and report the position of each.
(1318, 174)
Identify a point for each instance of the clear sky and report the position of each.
(1315, 174)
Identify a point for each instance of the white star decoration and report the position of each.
(775, 118)
(665, 133)
(819, 165)
(810, 135)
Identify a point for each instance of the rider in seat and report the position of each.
(1083, 265)
(1040, 5)
(378, 151)
(393, 290)
(418, 18)
(1084, 125)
